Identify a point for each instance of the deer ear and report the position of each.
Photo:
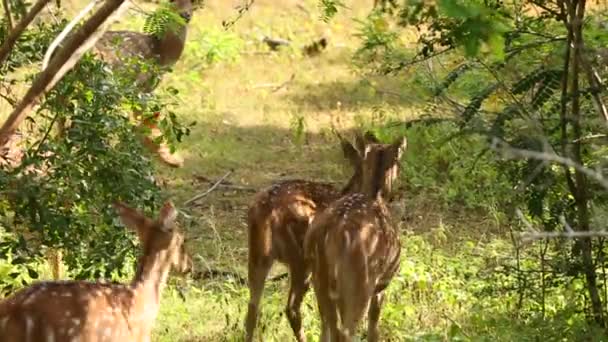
(131, 218)
(168, 215)
(360, 142)
(350, 153)
(369, 137)
(398, 147)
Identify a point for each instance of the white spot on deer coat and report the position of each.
(29, 328)
(50, 334)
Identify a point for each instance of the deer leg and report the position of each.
(258, 271)
(162, 150)
(328, 312)
(298, 288)
(373, 316)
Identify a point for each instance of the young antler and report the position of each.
(98, 311)
(352, 248)
(278, 219)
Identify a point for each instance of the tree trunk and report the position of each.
(576, 15)
(8, 45)
(62, 62)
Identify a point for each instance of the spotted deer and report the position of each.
(278, 219)
(164, 51)
(98, 311)
(119, 48)
(354, 250)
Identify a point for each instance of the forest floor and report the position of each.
(264, 115)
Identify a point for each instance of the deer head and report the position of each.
(159, 238)
(376, 164)
(171, 44)
(101, 311)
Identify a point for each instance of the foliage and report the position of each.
(329, 8)
(60, 195)
(216, 46)
(164, 18)
(507, 86)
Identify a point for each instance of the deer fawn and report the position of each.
(278, 220)
(96, 311)
(353, 249)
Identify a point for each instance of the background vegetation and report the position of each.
(492, 95)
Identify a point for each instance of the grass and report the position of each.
(265, 115)
(244, 125)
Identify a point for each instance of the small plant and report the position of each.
(164, 18)
(297, 126)
(216, 46)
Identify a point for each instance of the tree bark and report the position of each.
(66, 57)
(9, 17)
(581, 195)
(8, 45)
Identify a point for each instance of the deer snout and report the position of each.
(187, 15)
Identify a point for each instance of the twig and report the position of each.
(531, 236)
(241, 11)
(10, 41)
(8, 99)
(215, 273)
(534, 234)
(9, 17)
(76, 45)
(596, 84)
(227, 185)
(284, 84)
(416, 60)
(511, 152)
(208, 191)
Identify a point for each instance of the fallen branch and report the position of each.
(284, 84)
(76, 45)
(10, 41)
(214, 273)
(226, 184)
(208, 191)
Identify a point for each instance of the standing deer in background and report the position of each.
(165, 51)
(353, 249)
(278, 220)
(96, 311)
(117, 47)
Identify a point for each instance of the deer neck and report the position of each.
(171, 45)
(150, 280)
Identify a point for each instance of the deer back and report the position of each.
(280, 215)
(118, 47)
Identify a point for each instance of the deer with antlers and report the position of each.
(353, 249)
(278, 220)
(98, 311)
